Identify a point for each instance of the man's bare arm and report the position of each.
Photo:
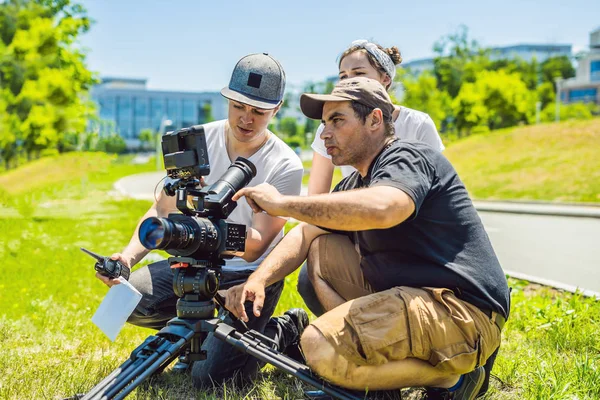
(378, 207)
(258, 238)
(283, 260)
(288, 255)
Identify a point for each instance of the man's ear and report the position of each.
(376, 119)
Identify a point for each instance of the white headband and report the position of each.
(382, 57)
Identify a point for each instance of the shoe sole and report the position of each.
(478, 385)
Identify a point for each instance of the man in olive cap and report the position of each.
(398, 256)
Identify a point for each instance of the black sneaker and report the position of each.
(468, 390)
(299, 318)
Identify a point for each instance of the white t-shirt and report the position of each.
(410, 124)
(276, 164)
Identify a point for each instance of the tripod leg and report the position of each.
(246, 343)
(120, 370)
(155, 353)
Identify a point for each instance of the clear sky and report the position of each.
(194, 44)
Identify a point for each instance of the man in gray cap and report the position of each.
(413, 292)
(255, 93)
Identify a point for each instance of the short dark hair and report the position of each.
(361, 112)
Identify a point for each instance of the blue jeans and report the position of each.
(158, 306)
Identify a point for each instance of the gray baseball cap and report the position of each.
(257, 80)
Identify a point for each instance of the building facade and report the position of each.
(527, 52)
(585, 87)
(127, 107)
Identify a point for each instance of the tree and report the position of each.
(288, 126)
(112, 144)
(421, 93)
(44, 75)
(147, 138)
(545, 94)
(8, 135)
(556, 67)
(458, 60)
(496, 99)
(569, 112)
(529, 71)
(206, 116)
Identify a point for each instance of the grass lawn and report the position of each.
(49, 348)
(556, 162)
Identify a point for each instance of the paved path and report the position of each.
(552, 244)
(558, 251)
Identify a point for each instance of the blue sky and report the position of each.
(194, 44)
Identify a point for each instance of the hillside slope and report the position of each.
(551, 162)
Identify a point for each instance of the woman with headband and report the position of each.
(364, 58)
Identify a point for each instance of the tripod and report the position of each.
(197, 287)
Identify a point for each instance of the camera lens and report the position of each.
(152, 233)
(179, 235)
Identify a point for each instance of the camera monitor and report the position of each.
(185, 153)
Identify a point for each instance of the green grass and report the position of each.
(49, 348)
(552, 162)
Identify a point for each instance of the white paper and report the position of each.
(117, 306)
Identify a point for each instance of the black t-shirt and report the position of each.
(443, 244)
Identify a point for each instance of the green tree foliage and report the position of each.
(546, 93)
(147, 138)
(569, 112)
(557, 67)
(458, 60)
(288, 126)
(496, 99)
(421, 93)
(207, 115)
(43, 74)
(470, 92)
(112, 144)
(529, 71)
(289, 131)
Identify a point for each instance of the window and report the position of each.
(583, 95)
(595, 71)
(141, 118)
(107, 107)
(174, 111)
(157, 111)
(124, 117)
(189, 113)
(141, 107)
